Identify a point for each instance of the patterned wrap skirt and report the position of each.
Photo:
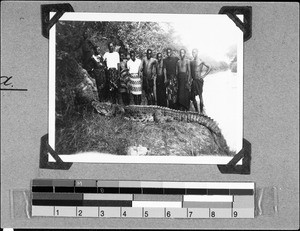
(135, 84)
(113, 79)
(172, 88)
(124, 79)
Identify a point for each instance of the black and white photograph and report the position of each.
(146, 88)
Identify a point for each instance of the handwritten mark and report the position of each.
(6, 81)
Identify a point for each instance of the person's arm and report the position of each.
(208, 69)
(118, 64)
(165, 72)
(140, 69)
(105, 60)
(189, 72)
(154, 66)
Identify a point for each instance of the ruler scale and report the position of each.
(146, 199)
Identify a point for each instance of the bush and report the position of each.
(74, 86)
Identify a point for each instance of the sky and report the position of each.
(212, 36)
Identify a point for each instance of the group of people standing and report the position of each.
(171, 82)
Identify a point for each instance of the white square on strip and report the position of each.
(156, 204)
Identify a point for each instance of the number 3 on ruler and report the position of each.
(102, 213)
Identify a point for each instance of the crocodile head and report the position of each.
(107, 109)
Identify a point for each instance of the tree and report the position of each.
(138, 36)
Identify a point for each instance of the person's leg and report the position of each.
(125, 98)
(136, 99)
(151, 99)
(197, 99)
(201, 104)
(195, 105)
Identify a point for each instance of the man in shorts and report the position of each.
(148, 68)
(184, 81)
(197, 66)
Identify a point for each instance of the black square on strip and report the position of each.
(86, 189)
(42, 189)
(241, 192)
(196, 191)
(108, 190)
(107, 203)
(153, 191)
(180, 191)
(58, 202)
(64, 189)
(131, 190)
(217, 191)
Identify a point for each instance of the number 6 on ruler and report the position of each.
(168, 213)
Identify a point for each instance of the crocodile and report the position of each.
(153, 113)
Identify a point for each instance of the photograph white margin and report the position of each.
(95, 157)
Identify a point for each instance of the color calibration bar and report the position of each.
(136, 199)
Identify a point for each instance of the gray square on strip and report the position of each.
(107, 183)
(243, 202)
(63, 183)
(130, 184)
(85, 183)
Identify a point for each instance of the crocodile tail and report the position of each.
(216, 133)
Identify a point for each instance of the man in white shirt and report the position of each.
(134, 67)
(112, 62)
